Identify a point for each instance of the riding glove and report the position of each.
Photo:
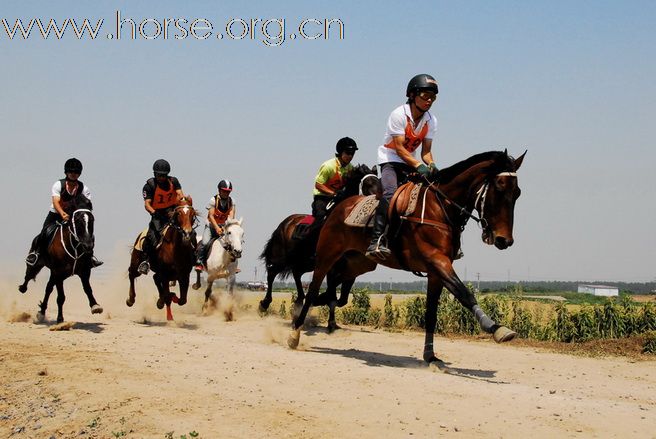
(423, 170)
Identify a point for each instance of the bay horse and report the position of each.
(172, 260)
(286, 255)
(427, 239)
(68, 253)
(222, 258)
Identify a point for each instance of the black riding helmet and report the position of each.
(73, 165)
(421, 82)
(345, 144)
(225, 185)
(161, 168)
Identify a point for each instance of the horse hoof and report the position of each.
(437, 365)
(160, 303)
(294, 338)
(264, 306)
(129, 302)
(96, 309)
(195, 286)
(332, 327)
(182, 301)
(40, 317)
(503, 334)
(22, 288)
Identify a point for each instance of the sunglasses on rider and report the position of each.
(427, 96)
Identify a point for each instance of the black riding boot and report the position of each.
(377, 248)
(146, 250)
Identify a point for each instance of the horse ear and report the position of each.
(374, 170)
(240, 220)
(519, 160)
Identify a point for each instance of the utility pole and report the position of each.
(478, 282)
(255, 274)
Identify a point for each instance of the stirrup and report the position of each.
(32, 258)
(144, 267)
(377, 249)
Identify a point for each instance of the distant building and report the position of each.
(599, 290)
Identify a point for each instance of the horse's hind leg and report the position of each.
(95, 308)
(300, 294)
(61, 298)
(43, 306)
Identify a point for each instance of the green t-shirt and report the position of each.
(331, 174)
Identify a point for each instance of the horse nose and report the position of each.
(237, 253)
(501, 242)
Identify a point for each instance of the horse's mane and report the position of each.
(501, 161)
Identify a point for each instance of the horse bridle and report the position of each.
(174, 224)
(481, 195)
(73, 235)
(225, 243)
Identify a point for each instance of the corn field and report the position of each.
(616, 318)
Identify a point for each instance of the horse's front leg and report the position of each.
(164, 294)
(184, 288)
(325, 260)
(444, 268)
(86, 285)
(61, 298)
(43, 306)
(433, 292)
(133, 273)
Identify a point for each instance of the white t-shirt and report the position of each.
(396, 126)
(57, 190)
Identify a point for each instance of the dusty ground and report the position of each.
(127, 373)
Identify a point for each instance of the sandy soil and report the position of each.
(128, 373)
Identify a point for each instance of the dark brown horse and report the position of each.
(68, 253)
(285, 255)
(427, 239)
(173, 259)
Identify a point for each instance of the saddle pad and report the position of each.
(360, 215)
(309, 219)
(412, 203)
(140, 239)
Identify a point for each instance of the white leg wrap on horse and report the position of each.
(486, 323)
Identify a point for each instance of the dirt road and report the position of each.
(127, 373)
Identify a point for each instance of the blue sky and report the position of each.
(572, 82)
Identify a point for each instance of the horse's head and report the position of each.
(362, 180)
(184, 217)
(80, 225)
(495, 200)
(233, 237)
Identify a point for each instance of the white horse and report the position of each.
(222, 258)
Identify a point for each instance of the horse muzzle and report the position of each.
(500, 242)
(235, 254)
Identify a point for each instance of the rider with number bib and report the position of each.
(409, 127)
(65, 192)
(161, 195)
(221, 208)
